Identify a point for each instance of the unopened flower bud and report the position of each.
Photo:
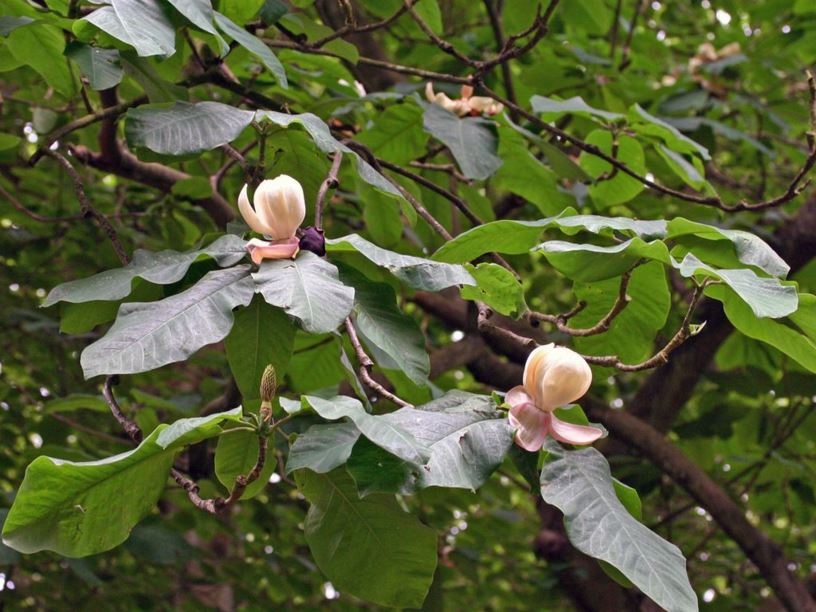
(556, 376)
(280, 207)
(269, 384)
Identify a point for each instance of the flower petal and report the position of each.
(249, 214)
(517, 395)
(280, 205)
(279, 249)
(531, 426)
(570, 433)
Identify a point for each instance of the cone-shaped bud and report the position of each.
(269, 384)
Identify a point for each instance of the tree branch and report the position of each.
(365, 367)
(766, 554)
(330, 182)
(88, 210)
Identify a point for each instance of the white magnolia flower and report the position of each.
(468, 104)
(280, 208)
(554, 376)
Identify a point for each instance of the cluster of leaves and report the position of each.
(386, 498)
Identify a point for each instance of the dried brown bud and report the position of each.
(269, 384)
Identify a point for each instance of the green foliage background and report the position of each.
(708, 99)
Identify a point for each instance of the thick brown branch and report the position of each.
(765, 553)
(76, 124)
(154, 175)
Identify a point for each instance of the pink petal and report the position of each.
(573, 434)
(517, 395)
(277, 249)
(531, 426)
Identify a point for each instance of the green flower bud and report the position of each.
(269, 384)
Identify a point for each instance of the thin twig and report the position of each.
(370, 61)
(88, 430)
(128, 426)
(662, 356)
(82, 122)
(640, 7)
(350, 29)
(212, 506)
(602, 326)
(450, 169)
(330, 182)
(794, 189)
(613, 32)
(498, 33)
(365, 367)
(87, 209)
(444, 45)
(421, 180)
(416, 204)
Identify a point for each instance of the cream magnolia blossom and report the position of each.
(280, 208)
(553, 376)
(468, 104)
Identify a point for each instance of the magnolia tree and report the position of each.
(423, 304)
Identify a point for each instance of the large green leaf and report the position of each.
(553, 109)
(368, 547)
(397, 134)
(613, 187)
(631, 334)
(417, 272)
(321, 448)
(470, 139)
(386, 328)
(516, 237)
(254, 45)
(236, 455)
(644, 123)
(748, 248)
(40, 46)
(379, 429)
(162, 268)
(181, 128)
(767, 297)
(322, 137)
(797, 341)
(580, 484)
(465, 437)
(261, 335)
(148, 335)
(84, 508)
(521, 173)
(591, 262)
(307, 288)
(102, 67)
(201, 14)
(497, 287)
(468, 439)
(142, 24)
